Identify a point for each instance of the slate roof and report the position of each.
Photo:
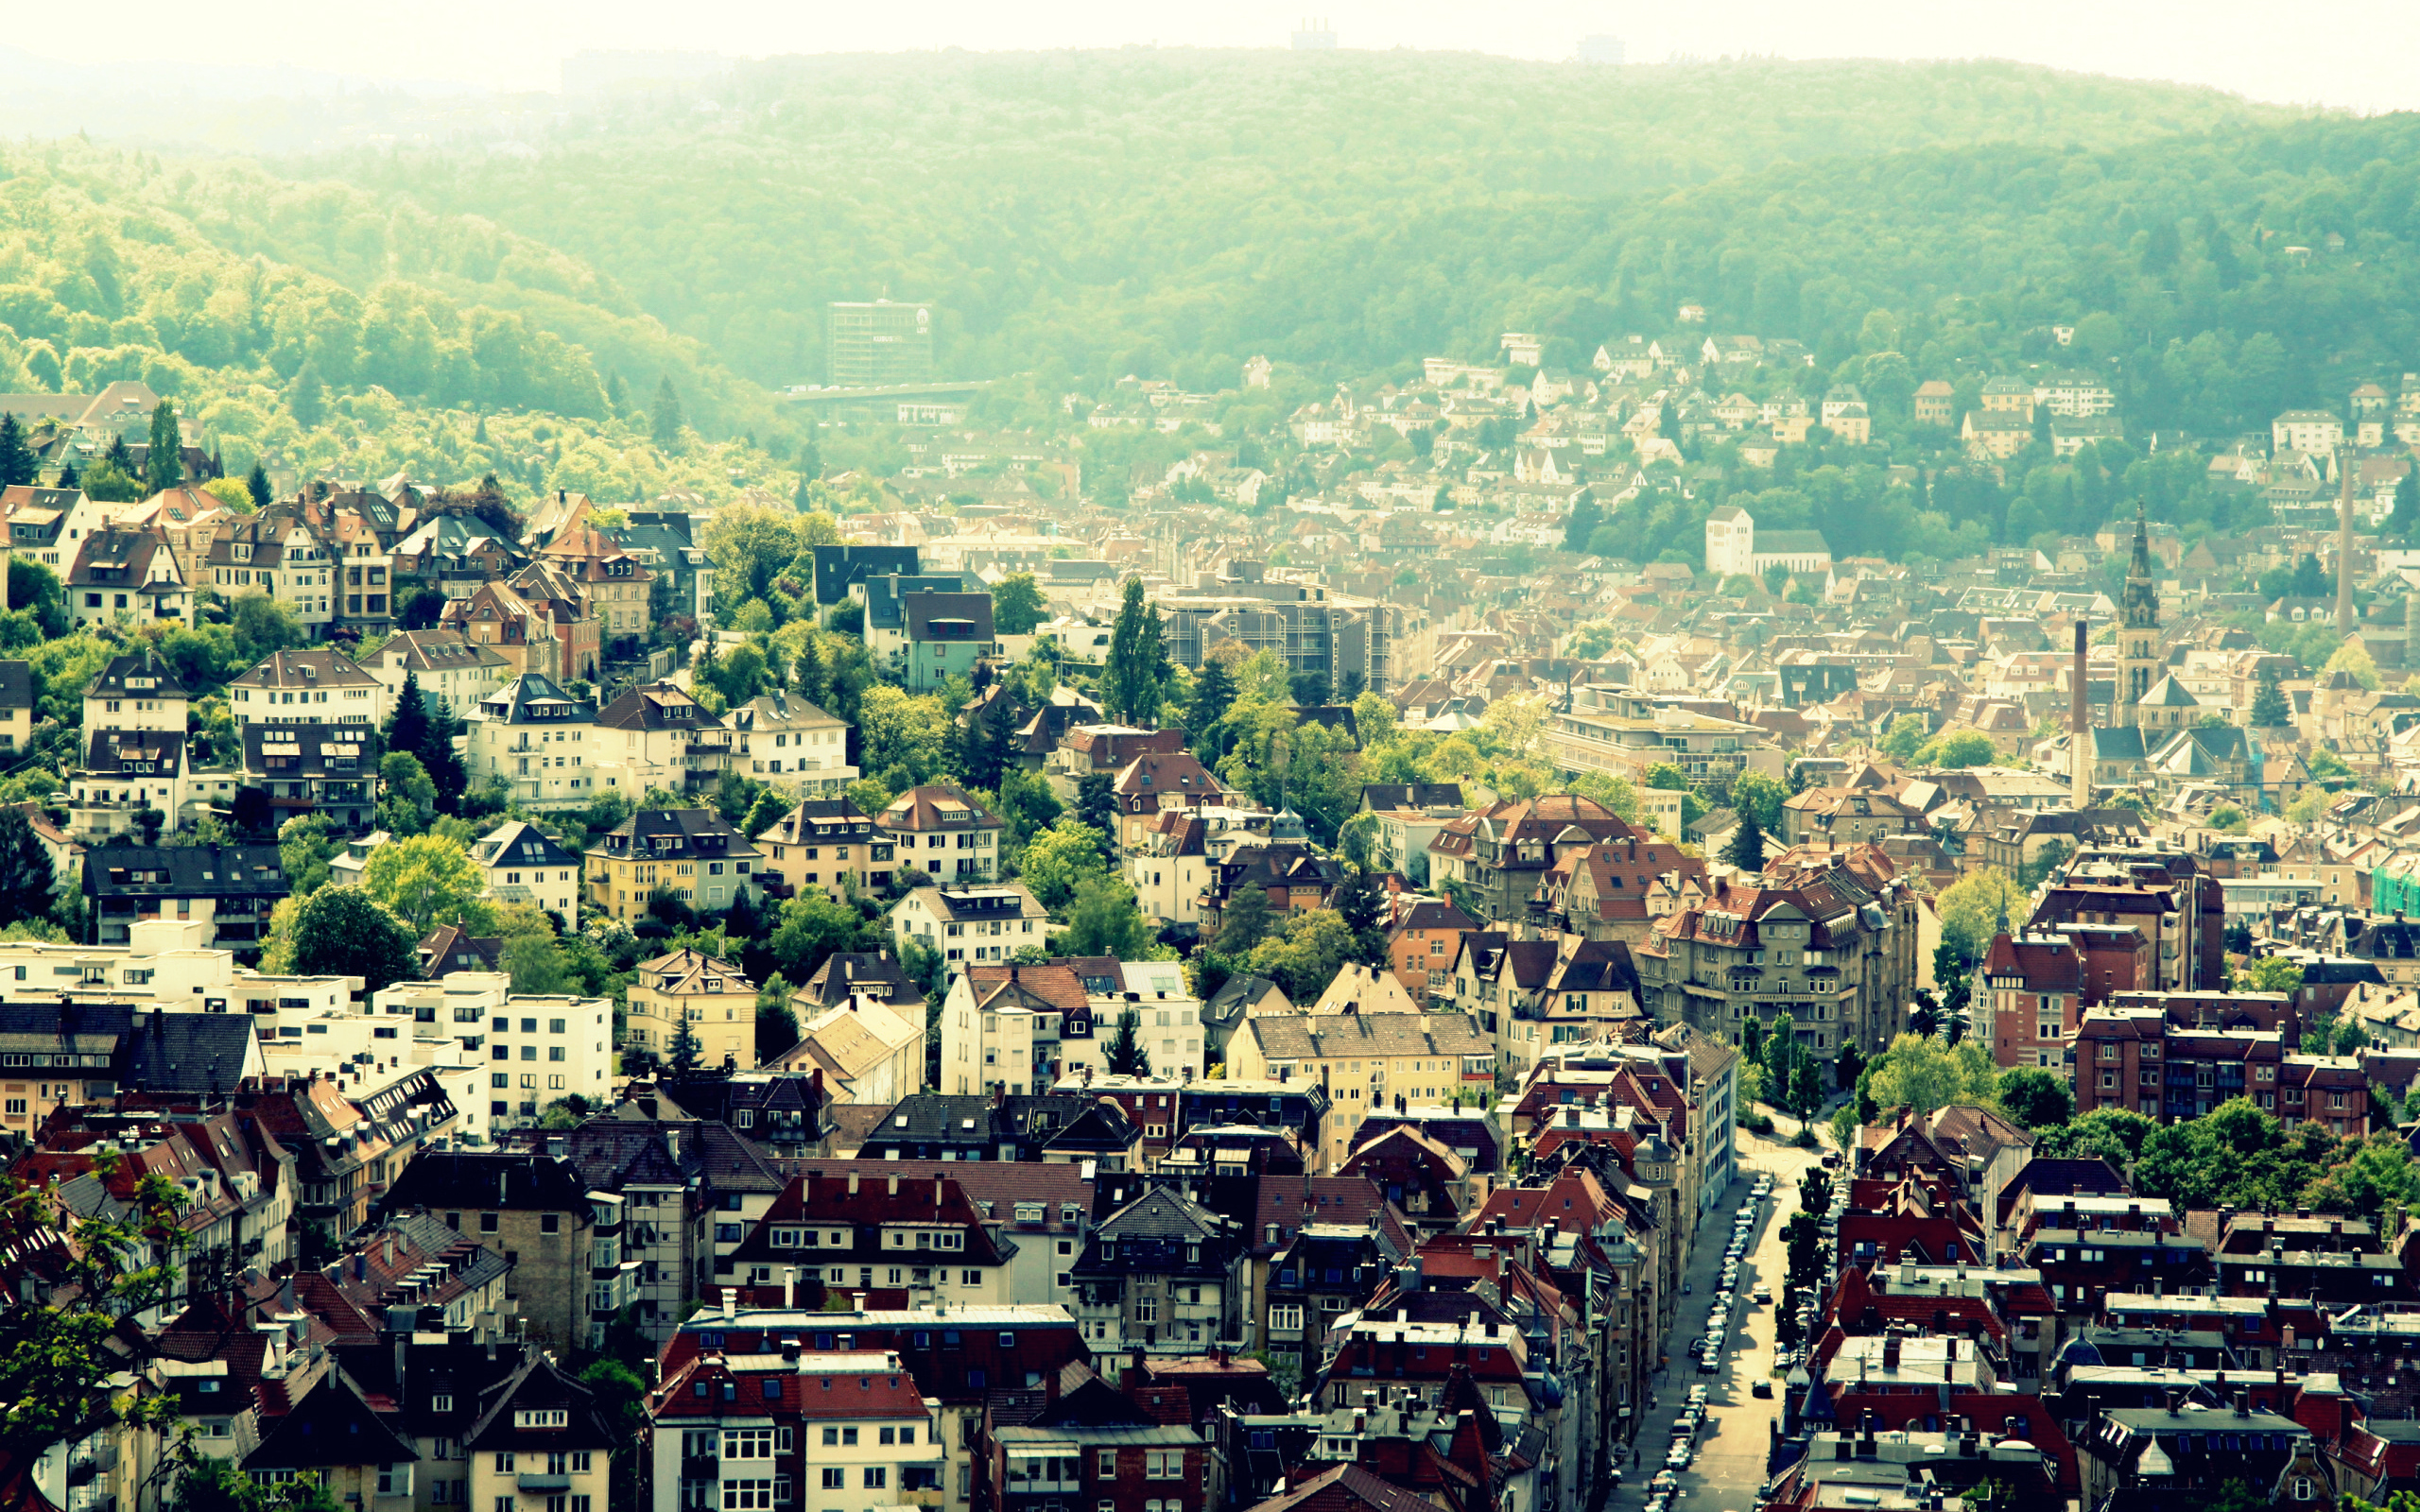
(184, 1054)
(871, 973)
(657, 706)
(306, 669)
(674, 834)
(520, 843)
(534, 699)
(112, 682)
(184, 871)
(469, 1178)
(1314, 1037)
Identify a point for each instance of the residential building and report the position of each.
(227, 888)
(611, 579)
(308, 688)
(1366, 1061)
(1162, 1274)
(690, 855)
(496, 616)
(563, 1241)
(946, 634)
(1830, 938)
(2031, 1001)
(1169, 866)
(126, 577)
(827, 845)
(1622, 732)
(848, 1428)
(658, 736)
(523, 864)
(537, 740)
(940, 831)
(969, 924)
(792, 744)
(447, 666)
(716, 997)
(327, 769)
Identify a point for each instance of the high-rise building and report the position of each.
(1316, 36)
(880, 342)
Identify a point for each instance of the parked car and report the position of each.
(1666, 1481)
(1764, 1296)
(1677, 1457)
(1697, 1395)
(1762, 1388)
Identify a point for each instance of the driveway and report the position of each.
(1730, 1462)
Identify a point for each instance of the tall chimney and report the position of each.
(2080, 728)
(2344, 539)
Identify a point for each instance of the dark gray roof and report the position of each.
(534, 699)
(441, 1180)
(188, 1054)
(317, 750)
(521, 843)
(886, 594)
(948, 616)
(184, 871)
(150, 679)
(837, 567)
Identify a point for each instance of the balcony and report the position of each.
(701, 1466)
(532, 1482)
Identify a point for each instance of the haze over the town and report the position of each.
(2351, 54)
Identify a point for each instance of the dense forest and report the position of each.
(1171, 212)
(114, 265)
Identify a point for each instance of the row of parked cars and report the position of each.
(1743, 1233)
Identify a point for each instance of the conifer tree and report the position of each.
(667, 422)
(1125, 1052)
(163, 465)
(2268, 708)
(308, 399)
(16, 457)
(1746, 847)
(256, 483)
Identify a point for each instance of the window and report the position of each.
(1147, 1310)
(835, 1480)
(748, 1443)
(550, 1223)
(1164, 1465)
(877, 1477)
(1286, 1319)
(1108, 1470)
(748, 1496)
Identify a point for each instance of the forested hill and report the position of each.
(1170, 213)
(471, 351)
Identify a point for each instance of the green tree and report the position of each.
(2353, 658)
(307, 399)
(1307, 954)
(2036, 1098)
(665, 422)
(409, 797)
(776, 1023)
(1097, 803)
(1746, 847)
(1958, 748)
(343, 930)
(164, 463)
(685, 1052)
(1761, 796)
(2113, 1134)
(256, 483)
(17, 463)
(1972, 907)
(2268, 708)
(1781, 1054)
(810, 928)
(1103, 919)
(1906, 735)
(27, 883)
(2271, 974)
(1925, 1074)
(36, 590)
(427, 880)
(1245, 922)
(1059, 860)
(1125, 1052)
(1137, 665)
(1214, 691)
(1017, 605)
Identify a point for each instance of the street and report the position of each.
(1730, 1461)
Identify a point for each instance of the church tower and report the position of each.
(2138, 665)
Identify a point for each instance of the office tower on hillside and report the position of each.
(880, 343)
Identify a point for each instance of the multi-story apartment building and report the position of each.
(1830, 938)
(563, 1242)
(1024, 1028)
(523, 864)
(1366, 1061)
(612, 580)
(658, 736)
(327, 769)
(1503, 853)
(1161, 1275)
(230, 889)
(276, 553)
(2167, 895)
(716, 997)
(1622, 732)
(127, 577)
(449, 669)
(308, 688)
(494, 615)
(969, 924)
(939, 829)
(537, 740)
(873, 1236)
(827, 845)
(955, 1356)
(789, 743)
(2032, 1001)
(543, 1048)
(847, 1429)
(1312, 629)
(688, 854)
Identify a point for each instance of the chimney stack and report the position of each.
(2080, 728)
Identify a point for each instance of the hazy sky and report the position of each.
(2363, 54)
